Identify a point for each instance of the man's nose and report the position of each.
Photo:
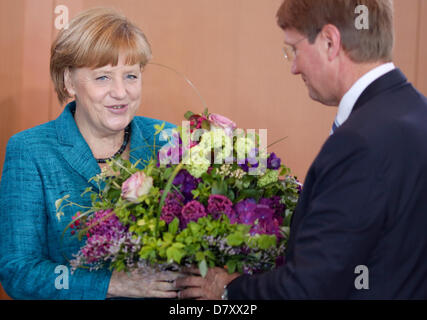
(294, 67)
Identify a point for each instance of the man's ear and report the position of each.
(332, 40)
(68, 82)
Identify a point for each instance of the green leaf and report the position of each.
(194, 227)
(88, 189)
(206, 112)
(231, 266)
(203, 267)
(167, 237)
(159, 128)
(235, 239)
(173, 226)
(146, 252)
(219, 187)
(59, 201)
(206, 125)
(175, 253)
(188, 115)
(248, 193)
(230, 195)
(200, 256)
(266, 241)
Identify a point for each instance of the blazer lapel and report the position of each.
(73, 147)
(141, 145)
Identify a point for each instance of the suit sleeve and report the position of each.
(344, 214)
(26, 272)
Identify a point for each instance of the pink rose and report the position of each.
(137, 185)
(221, 122)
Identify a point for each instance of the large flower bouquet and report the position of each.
(212, 196)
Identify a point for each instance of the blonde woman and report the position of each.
(98, 62)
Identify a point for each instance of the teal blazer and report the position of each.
(42, 165)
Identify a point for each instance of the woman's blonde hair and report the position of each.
(94, 39)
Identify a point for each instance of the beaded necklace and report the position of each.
(122, 148)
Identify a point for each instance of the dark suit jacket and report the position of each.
(364, 203)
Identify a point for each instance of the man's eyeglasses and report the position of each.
(289, 51)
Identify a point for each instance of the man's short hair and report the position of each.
(362, 45)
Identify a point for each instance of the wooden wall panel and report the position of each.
(406, 40)
(35, 63)
(11, 52)
(230, 49)
(422, 48)
(74, 7)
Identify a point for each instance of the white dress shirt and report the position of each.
(350, 97)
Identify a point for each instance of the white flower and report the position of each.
(199, 163)
(243, 147)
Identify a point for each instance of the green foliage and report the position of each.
(162, 243)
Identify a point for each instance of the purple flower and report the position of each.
(172, 207)
(192, 211)
(219, 205)
(266, 222)
(170, 153)
(251, 161)
(275, 204)
(245, 210)
(260, 216)
(105, 230)
(187, 182)
(273, 162)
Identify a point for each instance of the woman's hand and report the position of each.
(137, 284)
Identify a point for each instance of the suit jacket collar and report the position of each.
(385, 82)
(72, 145)
(77, 153)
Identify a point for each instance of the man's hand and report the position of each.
(209, 288)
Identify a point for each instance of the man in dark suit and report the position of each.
(359, 231)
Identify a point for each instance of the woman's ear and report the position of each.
(68, 82)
